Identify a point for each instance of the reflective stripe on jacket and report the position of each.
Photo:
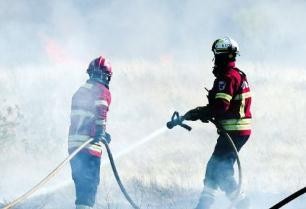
(89, 108)
(230, 99)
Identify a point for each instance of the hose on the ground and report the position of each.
(122, 188)
(48, 177)
(61, 165)
(289, 198)
(176, 119)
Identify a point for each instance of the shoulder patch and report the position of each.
(221, 85)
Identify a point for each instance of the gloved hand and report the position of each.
(102, 135)
(205, 114)
(199, 113)
(106, 137)
(193, 114)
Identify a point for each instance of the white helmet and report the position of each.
(225, 45)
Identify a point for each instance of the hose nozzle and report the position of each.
(176, 119)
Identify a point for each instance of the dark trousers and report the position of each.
(220, 167)
(86, 176)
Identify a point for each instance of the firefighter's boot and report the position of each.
(243, 203)
(240, 202)
(207, 198)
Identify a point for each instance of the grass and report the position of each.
(169, 169)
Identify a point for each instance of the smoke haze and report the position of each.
(161, 56)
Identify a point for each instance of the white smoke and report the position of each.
(160, 51)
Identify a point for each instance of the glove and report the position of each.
(193, 114)
(199, 113)
(205, 114)
(106, 137)
(102, 135)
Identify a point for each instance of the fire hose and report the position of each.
(289, 198)
(176, 119)
(62, 164)
(123, 190)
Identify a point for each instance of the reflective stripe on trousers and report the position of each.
(94, 148)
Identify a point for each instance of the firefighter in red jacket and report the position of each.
(89, 109)
(229, 104)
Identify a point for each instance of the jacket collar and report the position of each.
(97, 83)
(231, 64)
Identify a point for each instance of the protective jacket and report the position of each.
(230, 100)
(89, 108)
